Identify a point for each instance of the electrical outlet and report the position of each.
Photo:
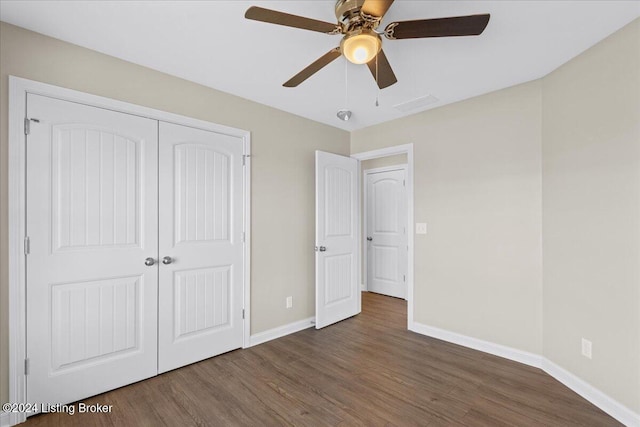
(421, 228)
(289, 302)
(586, 348)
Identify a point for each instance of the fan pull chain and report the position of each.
(346, 84)
(378, 92)
(345, 114)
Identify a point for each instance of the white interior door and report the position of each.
(92, 221)
(201, 278)
(337, 289)
(387, 233)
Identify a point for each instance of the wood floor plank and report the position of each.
(365, 371)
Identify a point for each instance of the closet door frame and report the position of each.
(18, 244)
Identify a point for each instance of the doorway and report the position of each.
(384, 157)
(385, 227)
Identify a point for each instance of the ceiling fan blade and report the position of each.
(385, 75)
(472, 25)
(313, 68)
(274, 17)
(376, 8)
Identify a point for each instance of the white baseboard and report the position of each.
(5, 419)
(280, 331)
(609, 405)
(521, 356)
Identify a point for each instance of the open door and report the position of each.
(337, 224)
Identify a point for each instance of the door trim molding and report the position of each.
(390, 151)
(4, 419)
(17, 265)
(18, 90)
(365, 223)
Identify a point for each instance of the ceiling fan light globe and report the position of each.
(360, 54)
(360, 47)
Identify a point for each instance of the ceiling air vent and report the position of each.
(415, 104)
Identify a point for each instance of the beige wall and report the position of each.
(477, 186)
(591, 215)
(282, 164)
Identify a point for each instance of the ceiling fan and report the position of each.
(358, 21)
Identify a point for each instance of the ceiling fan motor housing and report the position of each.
(348, 14)
(345, 9)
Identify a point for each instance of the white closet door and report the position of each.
(201, 280)
(92, 221)
(387, 233)
(337, 289)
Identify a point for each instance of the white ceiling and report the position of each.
(210, 42)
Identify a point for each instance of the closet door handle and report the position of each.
(149, 262)
(167, 260)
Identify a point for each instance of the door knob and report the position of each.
(369, 238)
(167, 260)
(149, 262)
(322, 249)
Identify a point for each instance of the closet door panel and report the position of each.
(201, 249)
(92, 197)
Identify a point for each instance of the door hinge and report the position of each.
(403, 183)
(27, 125)
(244, 237)
(243, 313)
(26, 366)
(27, 245)
(244, 159)
(404, 277)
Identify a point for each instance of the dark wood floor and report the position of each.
(367, 370)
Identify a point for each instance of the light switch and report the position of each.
(421, 228)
